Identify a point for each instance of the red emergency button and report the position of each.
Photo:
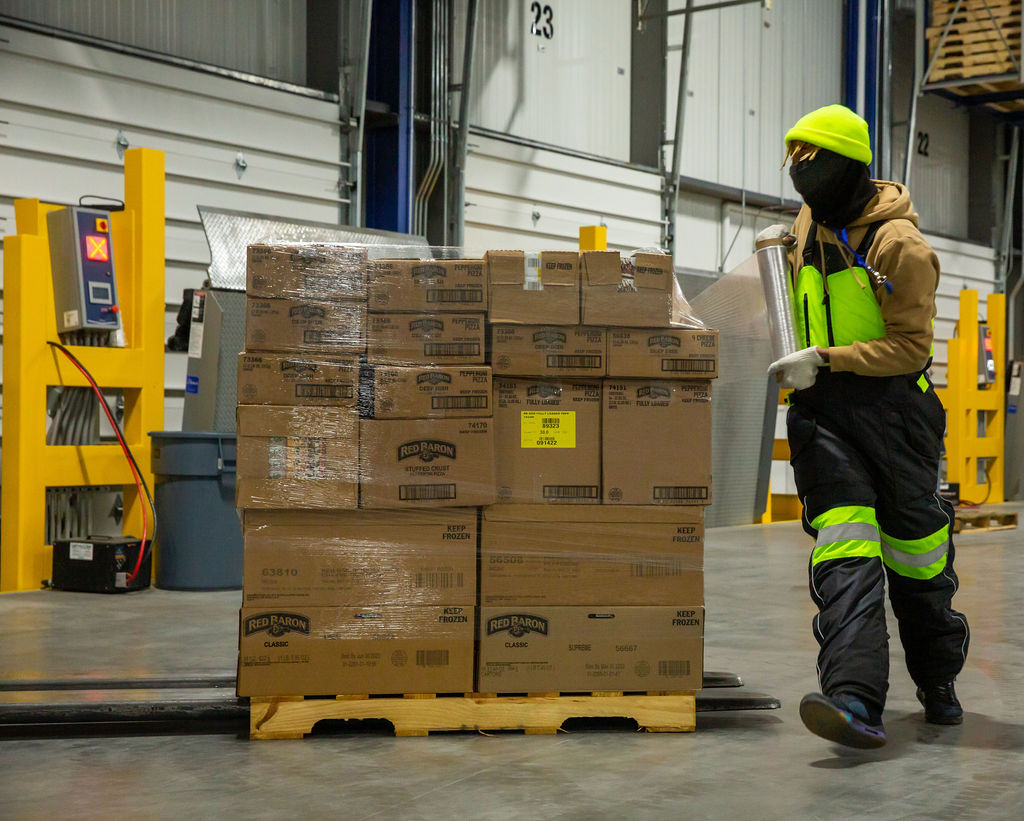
(102, 225)
(115, 309)
(96, 248)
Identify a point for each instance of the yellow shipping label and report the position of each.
(547, 429)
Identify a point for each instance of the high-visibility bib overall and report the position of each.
(865, 452)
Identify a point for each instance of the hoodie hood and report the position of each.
(892, 202)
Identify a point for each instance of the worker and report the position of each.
(865, 434)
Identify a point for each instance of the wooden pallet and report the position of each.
(422, 714)
(974, 10)
(979, 42)
(982, 520)
(1007, 106)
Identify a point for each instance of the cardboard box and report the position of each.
(638, 291)
(360, 558)
(662, 353)
(426, 463)
(297, 457)
(548, 350)
(428, 285)
(425, 339)
(313, 651)
(545, 648)
(306, 270)
(613, 554)
(547, 441)
(305, 325)
(534, 288)
(428, 392)
(656, 442)
(297, 379)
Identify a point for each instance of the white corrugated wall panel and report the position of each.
(752, 74)
(262, 37)
(938, 181)
(531, 198)
(63, 105)
(571, 90)
(963, 265)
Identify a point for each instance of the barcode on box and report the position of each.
(454, 295)
(558, 360)
(451, 348)
(458, 402)
(319, 337)
(425, 493)
(432, 658)
(324, 391)
(680, 492)
(688, 365)
(655, 568)
(440, 579)
(571, 492)
(674, 668)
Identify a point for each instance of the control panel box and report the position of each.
(82, 261)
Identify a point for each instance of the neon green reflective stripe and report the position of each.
(846, 532)
(843, 514)
(922, 383)
(917, 558)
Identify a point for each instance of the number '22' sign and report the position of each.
(543, 24)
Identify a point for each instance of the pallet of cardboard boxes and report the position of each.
(412, 526)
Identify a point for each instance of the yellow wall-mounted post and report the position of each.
(593, 238)
(30, 366)
(968, 405)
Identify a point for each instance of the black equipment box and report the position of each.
(950, 491)
(99, 564)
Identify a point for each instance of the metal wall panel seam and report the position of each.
(9, 109)
(211, 188)
(251, 127)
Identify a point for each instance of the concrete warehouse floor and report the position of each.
(754, 764)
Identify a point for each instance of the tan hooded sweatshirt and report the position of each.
(902, 255)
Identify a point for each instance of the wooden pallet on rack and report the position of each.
(422, 714)
(973, 11)
(978, 41)
(983, 520)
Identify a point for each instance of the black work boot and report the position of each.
(843, 718)
(941, 705)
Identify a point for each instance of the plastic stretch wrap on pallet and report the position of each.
(415, 524)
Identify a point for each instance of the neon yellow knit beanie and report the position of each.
(836, 128)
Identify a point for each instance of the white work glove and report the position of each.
(798, 370)
(776, 231)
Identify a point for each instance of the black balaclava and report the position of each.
(835, 188)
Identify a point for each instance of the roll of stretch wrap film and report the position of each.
(773, 266)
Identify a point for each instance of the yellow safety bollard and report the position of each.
(593, 238)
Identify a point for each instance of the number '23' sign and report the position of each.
(543, 24)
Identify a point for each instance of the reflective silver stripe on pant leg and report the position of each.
(894, 554)
(847, 532)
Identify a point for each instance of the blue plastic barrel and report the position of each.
(198, 535)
